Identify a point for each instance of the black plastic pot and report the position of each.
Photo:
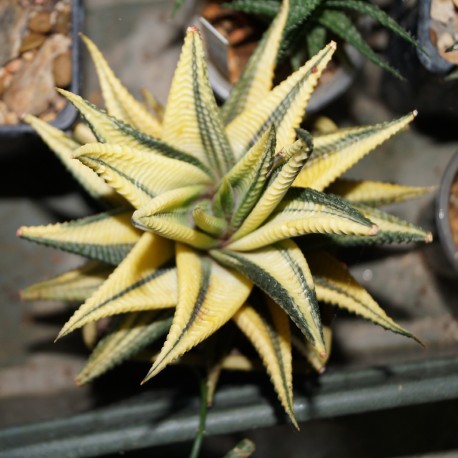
(442, 218)
(14, 137)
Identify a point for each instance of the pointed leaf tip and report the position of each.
(374, 230)
(192, 29)
(429, 237)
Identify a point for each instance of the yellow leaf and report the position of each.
(281, 271)
(119, 102)
(137, 175)
(170, 215)
(256, 80)
(335, 153)
(64, 146)
(335, 285)
(106, 237)
(192, 120)
(75, 285)
(375, 193)
(270, 334)
(209, 295)
(140, 282)
(284, 107)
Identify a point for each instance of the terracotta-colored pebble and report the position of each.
(28, 56)
(62, 23)
(60, 103)
(13, 66)
(11, 118)
(41, 22)
(62, 70)
(48, 116)
(32, 41)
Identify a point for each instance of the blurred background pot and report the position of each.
(44, 42)
(446, 217)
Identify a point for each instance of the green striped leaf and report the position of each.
(278, 185)
(106, 237)
(119, 102)
(268, 331)
(74, 286)
(209, 295)
(192, 120)
(391, 230)
(248, 177)
(335, 285)
(281, 271)
(63, 146)
(109, 129)
(343, 27)
(126, 337)
(137, 175)
(171, 215)
(257, 77)
(307, 211)
(142, 281)
(336, 152)
(375, 193)
(308, 351)
(283, 107)
(375, 13)
(205, 220)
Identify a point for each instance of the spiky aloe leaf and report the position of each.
(209, 296)
(336, 152)
(391, 230)
(152, 103)
(125, 339)
(269, 333)
(256, 79)
(106, 237)
(308, 351)
(342, 26)
(64, 146)
(248, 177)
(375, 193)
(140, 282)
(170, 215)
(123, 168)
(119, 102)
(192, 120)
(281, 271)
(74, 285)
(335, 285)
(315, 39)
(306, 211)
(278, 185)
(112, 130)
(283, 107)
(375, 13)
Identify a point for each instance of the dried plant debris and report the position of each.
(35, 57)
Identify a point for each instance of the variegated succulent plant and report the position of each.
(218, 214)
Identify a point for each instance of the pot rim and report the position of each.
(442, 213)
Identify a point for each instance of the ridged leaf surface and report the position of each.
(140, 282)
(119, 102)
(74, 286)
(283, 107)
(269, 333)
(209, 296)
(192, 120)
(105, 237)
(281, 271)
(335, 153)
